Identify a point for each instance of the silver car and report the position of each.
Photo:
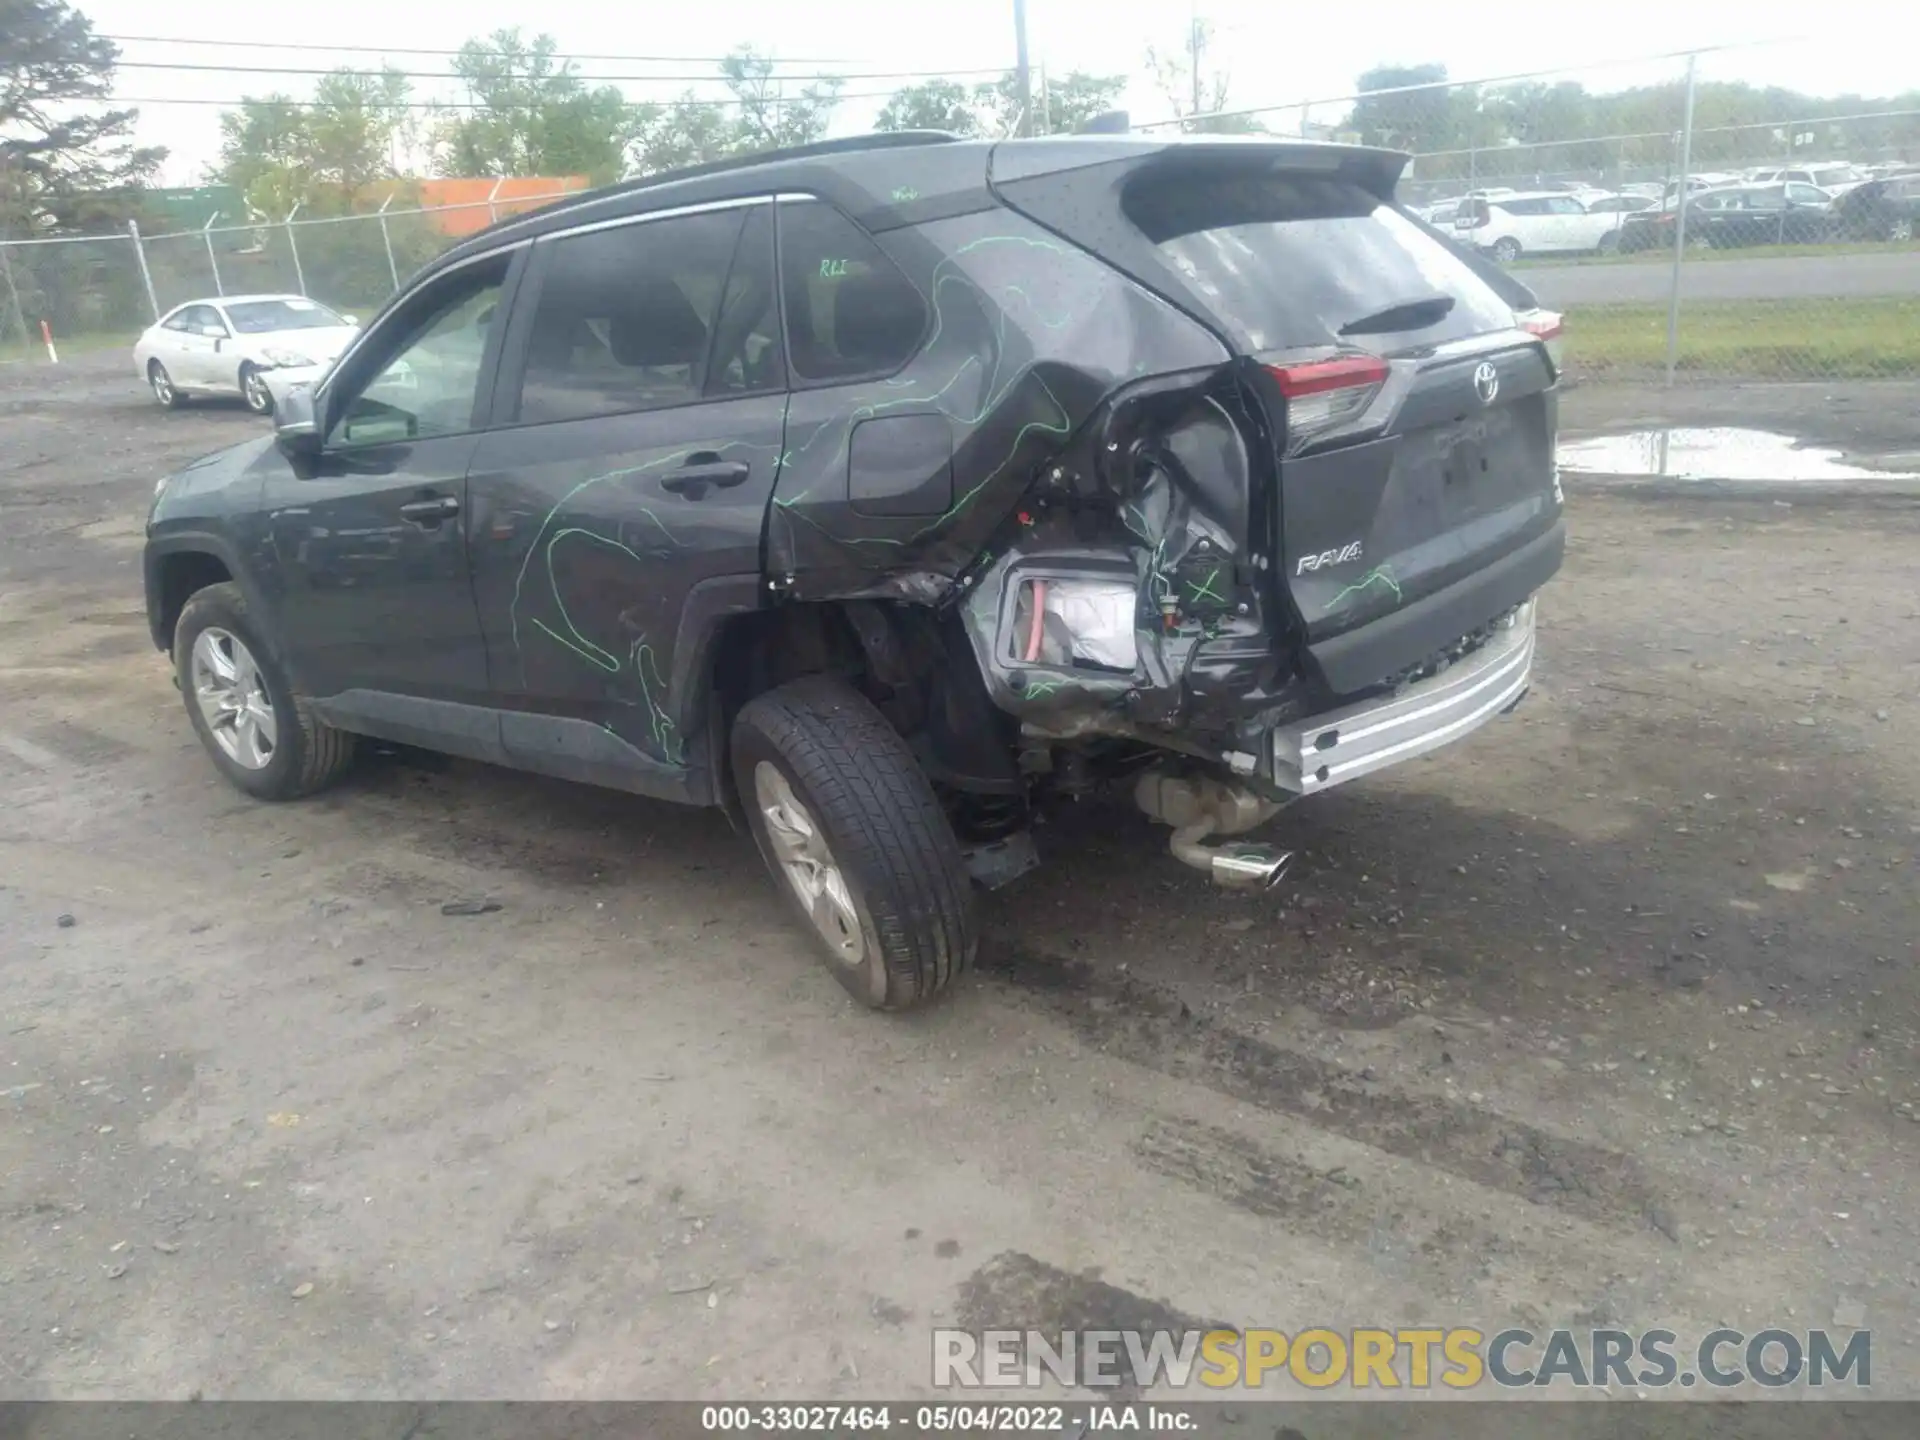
(239, 345)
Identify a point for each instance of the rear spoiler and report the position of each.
(1012, 162)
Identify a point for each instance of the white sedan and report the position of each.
(240, 345)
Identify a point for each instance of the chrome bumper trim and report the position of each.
(1342, 745)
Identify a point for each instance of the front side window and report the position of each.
(429, 381)
(849, 309)
(625, 317)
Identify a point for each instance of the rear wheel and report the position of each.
(253, 389)
(1900, 229)
(1610, 243)
(850, 827)
(162, 385)
(1506, 249)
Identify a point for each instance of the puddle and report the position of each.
(1722, 454)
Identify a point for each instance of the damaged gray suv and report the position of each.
(883, 490)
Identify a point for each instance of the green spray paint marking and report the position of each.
(1205, 591)
(1039, 689)
(1379, 575)
(665, 735)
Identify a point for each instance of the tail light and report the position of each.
(1323, 395)
(1546, 326)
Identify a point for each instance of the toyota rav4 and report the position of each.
(883, 490)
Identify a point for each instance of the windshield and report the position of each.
(1294, 260)
(261, 317)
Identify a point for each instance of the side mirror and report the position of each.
(353, 320)
(296, 428)
(213, 332)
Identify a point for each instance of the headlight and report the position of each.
(277, 356)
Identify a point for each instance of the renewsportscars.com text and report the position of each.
(1392, 1359)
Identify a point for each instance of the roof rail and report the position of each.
(876, 140)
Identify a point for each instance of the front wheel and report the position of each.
(265, 739)
(849, 825)
(1610, 243)
(253, 389)
(1900, 230)
(1506, 250)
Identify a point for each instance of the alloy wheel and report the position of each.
(232, 696)
(803, 855)
(259, 398)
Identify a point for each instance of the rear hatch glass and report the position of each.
(1283, 260)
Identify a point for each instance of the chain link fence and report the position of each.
(99, 290)
(1793, 256)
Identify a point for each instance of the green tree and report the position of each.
(1060, 106)
(534, 115)
(932, 105)
(323, 153)
(58, 168)
(761, 113)
(1419, 120)
(1196, 88)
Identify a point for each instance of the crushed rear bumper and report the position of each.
(1340, 745)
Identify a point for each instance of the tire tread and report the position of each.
(886, 825)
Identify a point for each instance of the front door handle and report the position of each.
(703, 470)
(430, 511)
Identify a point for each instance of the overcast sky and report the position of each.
(1274, 53)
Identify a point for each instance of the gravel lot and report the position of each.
(1607, 1016)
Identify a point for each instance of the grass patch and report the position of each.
(1799, 339)
(1664, 254)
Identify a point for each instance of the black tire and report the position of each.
(309, 754)
(1610, 243)
(1506, 250)
(257, 397)
(170, 396)
(886, 833)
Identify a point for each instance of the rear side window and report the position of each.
(1290, 260)
(849, 309)
(624, 316)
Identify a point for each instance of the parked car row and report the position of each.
(1781, 206)
(1511, 224)
(1789, 212)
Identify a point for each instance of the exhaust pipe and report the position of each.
(1233, 866)
(1199, 808)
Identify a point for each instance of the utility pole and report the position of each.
(1023, 73)
(1195, 44)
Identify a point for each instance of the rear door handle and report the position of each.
(699, 473)
(430, 511)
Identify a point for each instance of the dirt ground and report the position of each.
(1606, 1016)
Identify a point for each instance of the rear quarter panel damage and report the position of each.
(1027, 335)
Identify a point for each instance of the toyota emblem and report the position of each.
(1486, 382)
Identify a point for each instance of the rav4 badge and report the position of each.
(1328, 557)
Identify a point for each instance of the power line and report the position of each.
(770, 100)
(451, 75)
(418, 50)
